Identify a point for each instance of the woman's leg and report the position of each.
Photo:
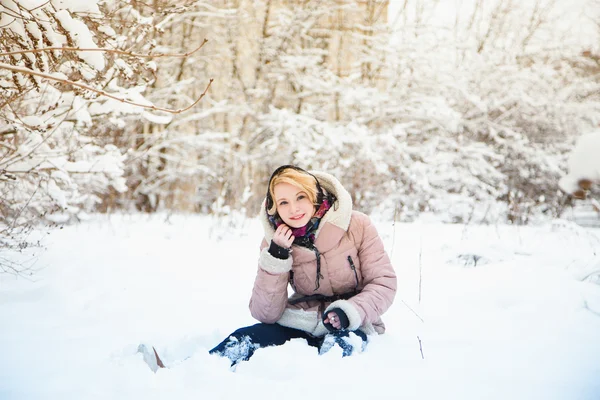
(349, 341)
(241, 344)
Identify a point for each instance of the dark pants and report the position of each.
(241, 344)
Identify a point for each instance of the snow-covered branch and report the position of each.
(58, 78)
(67, 89)
(107, 50)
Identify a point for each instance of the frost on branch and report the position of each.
(53, 166)
(73, 76)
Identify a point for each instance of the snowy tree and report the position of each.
(469, 117)
(499, 92)
(281, 70)
(44, 157)
(67, 78)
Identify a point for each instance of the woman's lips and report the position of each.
(297, 218)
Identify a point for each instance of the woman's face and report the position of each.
(293, 205)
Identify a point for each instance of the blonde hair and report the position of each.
(300, 179)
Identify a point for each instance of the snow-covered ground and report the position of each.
(523, 323)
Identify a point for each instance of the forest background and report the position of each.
(464, 110)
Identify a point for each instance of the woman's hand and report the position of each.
(283, 236)
(333, 319)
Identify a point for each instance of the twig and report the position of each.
(18, 157)
(28, 71)
(40, 6)
(106, 50)
(394, 232)
(17, 269)
(420, 265)
(13, 97)
(158, 360)
(420, 347)
(5, 175)
(413, 311)
(15, 16)
(24, 207)
(467, 223)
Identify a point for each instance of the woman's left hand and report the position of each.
(334, 320)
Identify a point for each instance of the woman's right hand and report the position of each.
(283, 236)
(334, 320)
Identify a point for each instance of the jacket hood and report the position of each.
(338, 215)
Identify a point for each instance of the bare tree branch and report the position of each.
(28, 71)
(106, 50)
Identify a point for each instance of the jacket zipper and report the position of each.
(318, 256)
(353, 268)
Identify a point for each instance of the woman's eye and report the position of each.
(301, 197)
(283, 203)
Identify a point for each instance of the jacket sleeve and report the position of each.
(379, 279)
(269, 294)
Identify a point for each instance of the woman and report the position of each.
(333, 259)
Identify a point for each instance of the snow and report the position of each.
(157, 119)
(82, 38)
(107, 30)
(519, 324)
(117, 106)
(57, 194)
(77, 6)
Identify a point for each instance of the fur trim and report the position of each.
(338, 215)
(264, 220)
(272, 264)
(307, 321)
(320, 330)
(350, 310)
